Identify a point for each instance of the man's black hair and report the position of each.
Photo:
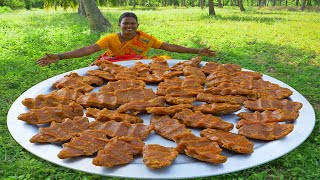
(128, 14)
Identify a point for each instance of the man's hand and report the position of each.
(207, 52)
(48, 59)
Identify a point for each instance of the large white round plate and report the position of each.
(183, 166)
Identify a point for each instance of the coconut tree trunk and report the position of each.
(220, 4)
(303, 6)
(241, 6)
(81, 10)
(211, 8)
(97, 21)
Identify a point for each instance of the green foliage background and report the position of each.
(278, 43)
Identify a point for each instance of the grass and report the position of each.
(279, 43)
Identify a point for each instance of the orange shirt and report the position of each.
(139, 45)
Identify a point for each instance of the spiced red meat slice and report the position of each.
(119, 151)
(200, 120)
(200, 148)
(211, 67)
(102, 74)
(67, 93)
(168, 127)
(80, 83)
(85, 143)
(168, 110)
(217, 108)
(229, 140)
(156, 156)
(61, 132)
(263, 131)
(194, 62)
(109, 115)
(114, 129)
(263, 104)
(195, 74)
(112, 86)
(141, 106)
(42, 100)
(270, 116)
(48, 114)
(124, 96)
(211, 98)
(98, 99)
(108, 66)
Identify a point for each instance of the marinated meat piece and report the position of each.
(211, 67)
(171, 82)
(156, 156)
(127, 74)
(270, 116)
(67, 93)
(167, 127)
(119, 151)
(158, 67)
(200, 120)
(195, 74)
(98, 99)
(61, 132)
(216, 78)
(102, 74)
(86, 143)
(210, 98)
(141, 106)
(218, 108)
(271, 104)
(232, 67)
(242, 75)
(229, 91)
(151, 78)
(92, 80)
(80, 83)
(108, 115)
(171, 74)
(194, 62)
(142, 69)
(200, 148)
(279, 93)
(263, 131)
(179, 91)
(172, 99)
(114, 129)
(122, 84)
(124, 96)
(42, 100)
(48, 114)
(108, 66)
(228, 140)
(169, 110)
(72, 84)
(251, 83)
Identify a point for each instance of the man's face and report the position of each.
(128, 25)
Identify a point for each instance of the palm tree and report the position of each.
(87, 8)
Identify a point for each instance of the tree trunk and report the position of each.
(303, 6)
(81, 10)
(211, 8)
(97, 21)
(241, 5)
(201, 3)
(220, 4)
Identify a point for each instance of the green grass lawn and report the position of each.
(281, 44)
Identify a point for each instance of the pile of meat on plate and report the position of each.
(189, 94)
